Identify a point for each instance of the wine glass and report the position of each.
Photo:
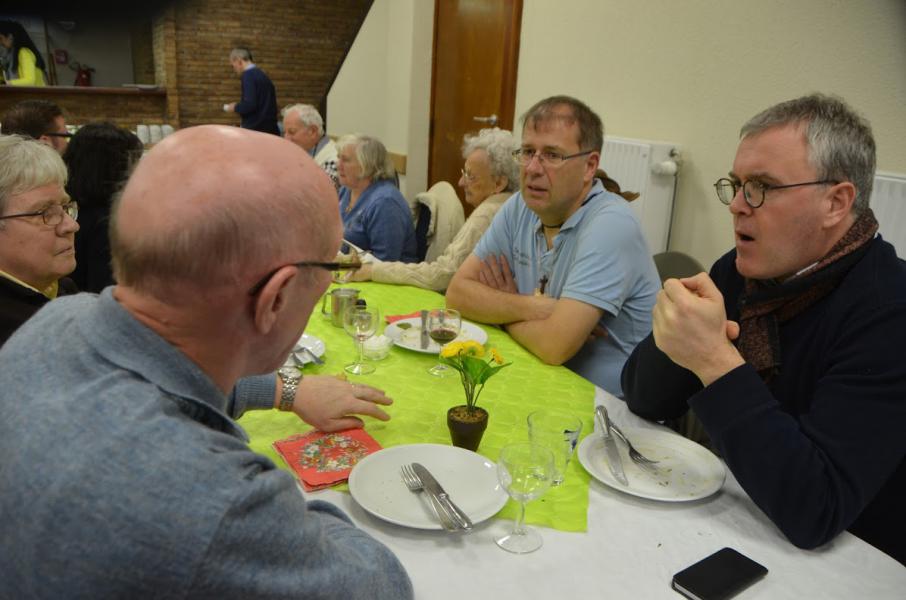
(361, 322)
(443, 327)
(525, 471)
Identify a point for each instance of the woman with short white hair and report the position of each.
(37, 230)
(376, 217)
(490, 175)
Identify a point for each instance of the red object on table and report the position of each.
(321, 459)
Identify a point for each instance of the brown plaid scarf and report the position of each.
(764, 306)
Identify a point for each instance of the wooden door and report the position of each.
(476, 50)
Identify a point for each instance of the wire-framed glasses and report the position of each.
(754, 191)
(53, 214)
(330, 266)
(547, 158)
(470, 177)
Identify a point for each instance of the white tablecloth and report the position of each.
(631, 550)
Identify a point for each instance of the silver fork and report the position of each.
(414, 484)
(636, 456)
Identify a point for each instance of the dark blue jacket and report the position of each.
(258, 107)
(820, 448)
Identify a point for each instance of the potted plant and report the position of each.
(468, 421)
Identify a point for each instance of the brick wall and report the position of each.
(300, 44)
(125, 108)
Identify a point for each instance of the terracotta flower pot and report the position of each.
(467, 427)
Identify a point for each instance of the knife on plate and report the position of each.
(610, 446)
(434, 488)
(425, 339)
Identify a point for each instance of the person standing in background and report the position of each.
(258, 107)
(26, 66)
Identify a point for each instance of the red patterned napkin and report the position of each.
(321, 459)
(395, 318)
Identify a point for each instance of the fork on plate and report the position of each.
(637, 457)
(414, 483)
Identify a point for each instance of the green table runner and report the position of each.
(421, 401)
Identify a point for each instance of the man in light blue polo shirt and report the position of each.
(564, 266)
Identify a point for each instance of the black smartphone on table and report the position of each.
(719, 576)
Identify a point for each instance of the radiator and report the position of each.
(888, 201)
(650, 169)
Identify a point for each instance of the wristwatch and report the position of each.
(290, 377)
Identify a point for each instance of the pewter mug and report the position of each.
(340, 300)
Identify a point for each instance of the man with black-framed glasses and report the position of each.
(37, 231)
(790, 351)
(564, 265)
(38, 119)
(119, 409)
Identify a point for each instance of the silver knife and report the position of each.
(433, 487)
(610, 446)
(425, 340)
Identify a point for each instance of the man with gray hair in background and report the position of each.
(124, 472)
(790, 352)
(258, 106)
(303, 126)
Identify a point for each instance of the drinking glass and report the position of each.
(443, 327)
(525, 471)
(558, 432)
(361, 322)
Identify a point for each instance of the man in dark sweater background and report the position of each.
(790, 352)
(258, 107)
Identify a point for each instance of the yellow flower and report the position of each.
(496, 356)
(472, 348)
(451, 350)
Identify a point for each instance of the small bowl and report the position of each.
(377, 347)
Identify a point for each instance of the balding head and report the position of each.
(213, 209)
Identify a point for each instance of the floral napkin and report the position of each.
(395, 318)
(321, 459)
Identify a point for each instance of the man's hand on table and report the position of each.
(328, 403)
(690, 326)
(361, 274)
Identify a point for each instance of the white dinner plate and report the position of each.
(313, 343)
(411, 338)
(469, 478)
(686, 470)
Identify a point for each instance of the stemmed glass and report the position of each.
(361, 322)
(443, 327)
(525, 471)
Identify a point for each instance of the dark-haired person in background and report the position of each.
(258, 107)
(100, 158)
(38, 119)
(26, 66)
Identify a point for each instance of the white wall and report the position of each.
(684, 71)
(693, 71)
(384, 86)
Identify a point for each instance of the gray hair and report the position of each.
(591, 128)
(307, 114)
(26, 164)
(371, 154)
(840, 143)
(241, 54)
(499, 145)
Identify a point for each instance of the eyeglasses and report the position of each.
(329, 266)
(52, 215)
(59, 134)
(468, 176)
(754, 191)
(547, 158)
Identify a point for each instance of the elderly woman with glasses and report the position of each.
(376, 217)
(489, 176)
(37, 230)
